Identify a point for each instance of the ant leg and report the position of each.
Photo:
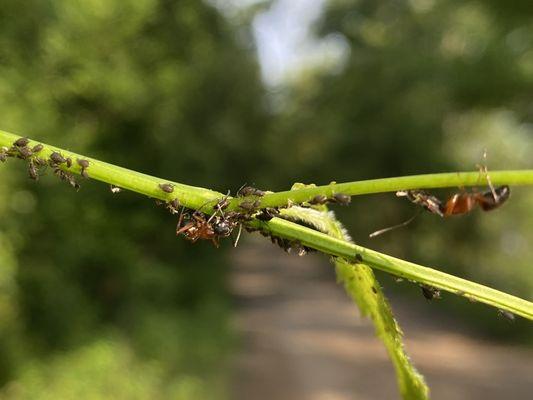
(484, 170)
(218, 207)
(238, 236)
(180, 220)
(184, 228)
(215, 242)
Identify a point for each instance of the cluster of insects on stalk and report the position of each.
(37, 164)
(195, 224)
(220, 222)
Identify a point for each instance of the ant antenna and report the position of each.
(484, 170)
(242, 187)
(391, 228)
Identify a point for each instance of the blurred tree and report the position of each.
(158, 86)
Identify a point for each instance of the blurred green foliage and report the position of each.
(157, 86)
(424, 86)
(100, 299)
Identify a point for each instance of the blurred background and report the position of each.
(98, 297)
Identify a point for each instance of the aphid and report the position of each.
(223, 203)
(267, 214)
(250, 206)
(341, 198)
(56, 158)
(32, 171)
(67, 177)
(249, 191)
(37, 148)
(25, 152)
(115, 189)
(166, 187)
(173, 206)
(68, 161)
(506, 314)
(4, 154)
(318, 199)
(84, 164)
(41, 162)
(21, 142)
(430, 293)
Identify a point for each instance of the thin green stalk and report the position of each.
(195, 198)
(189, 196)
(427, 181)
(395, 266)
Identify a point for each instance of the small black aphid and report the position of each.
(4, 154)
(222, 204)
(267, 214)
(248, 205)
(84, 164)
(319, 199)
(506, 314)
(173, 206)
(57, 158)
(250, 191)
(166, 187)
(21, 142)
(25, 152)
(37, 148)
(430, 293)
(32, 171)
(41, 162)
(342, 198)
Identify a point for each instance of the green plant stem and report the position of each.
(395, 266)
(195, 198)
(189, 196)
(428, 181)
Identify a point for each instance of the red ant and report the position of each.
(458, 204)
(463, 203)
(212, 228)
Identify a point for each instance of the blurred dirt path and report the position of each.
(302, 338)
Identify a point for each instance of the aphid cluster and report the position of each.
(21, 149)
(336, 198)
